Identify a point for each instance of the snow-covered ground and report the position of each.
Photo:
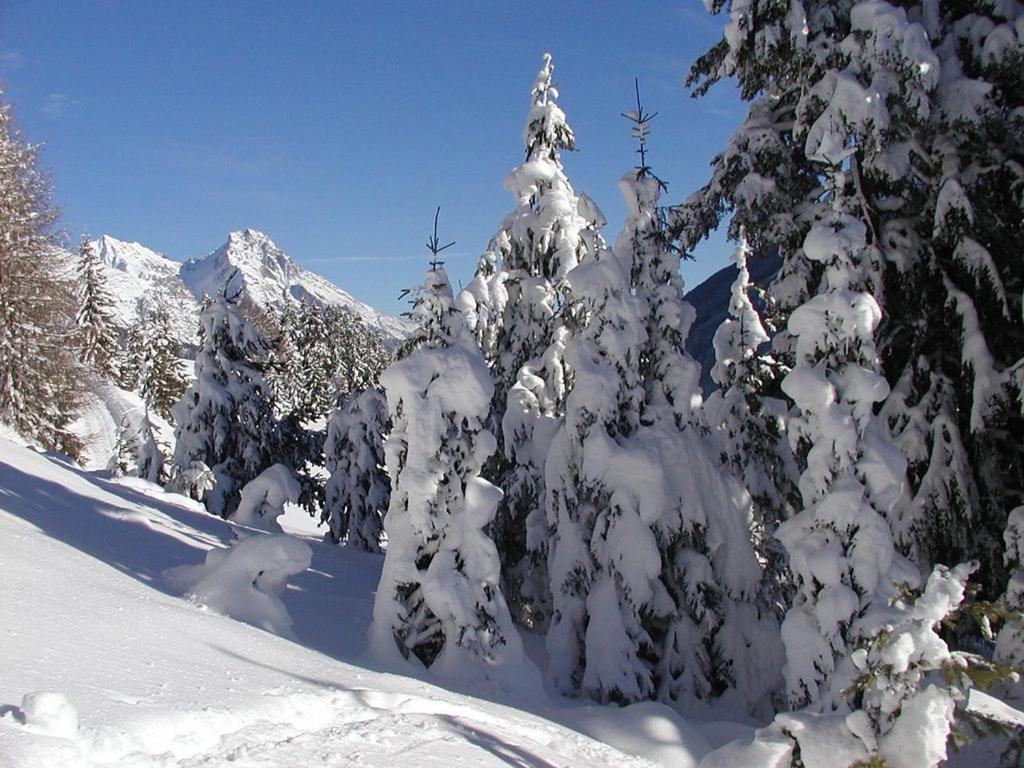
(147, 678)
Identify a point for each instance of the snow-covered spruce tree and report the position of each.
(751, 427)
(161, 379)
(712, 632)
(840, 544)
(911, 699)
(39, 371)
(358, 491)
(671, 376)
(603, 557)
(140, 452)
(512, 305)
(322, 355)
(955, 352)
(923, 103)
(1010, 642)
(225, 419)
(439, 598)
(99, 344)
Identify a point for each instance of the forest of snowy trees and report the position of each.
(828, 541)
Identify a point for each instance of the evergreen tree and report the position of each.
(751, 427)
(323, 354)
(921, 103)
(653, 576)
(161, 380)
(225, 418)
(840, 544)
(439, 599)
(358, 491)
(39, 373)
(99, 345)
(711, 626)
(513, 304)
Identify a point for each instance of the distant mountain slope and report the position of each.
(270, 278)
(140, 280)
(711, 300)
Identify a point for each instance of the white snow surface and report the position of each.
(104, 664)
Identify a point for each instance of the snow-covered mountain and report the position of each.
(139, 280)
(268, 276)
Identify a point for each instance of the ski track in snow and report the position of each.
(158, 681)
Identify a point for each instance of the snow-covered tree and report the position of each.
(225, 419)
(1010, 643)
(140, 450)
(322, 355)
(840, 544)
(40, 374)
(653, 576)
(151, 363)
(358, 491)
(439, 598)
(671, 377)
(512, 305)
(99, 344)
(912, 697)
(162, 380)
(603, 556)
(713, 631)
(920, 102)
(751, 426)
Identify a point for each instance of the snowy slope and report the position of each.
(269, 277)
(140, 280)
(155, 680)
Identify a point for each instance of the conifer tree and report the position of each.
(439, 598)
(358, 491)
(162, 381)
(750, 425)
(39, 373)
(840, 544)
(922, 103)
(512, 305)
(225, 419)
(653, 577)
(99, 345)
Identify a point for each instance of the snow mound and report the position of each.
(49, 713)
(263, 499)
(245, 581)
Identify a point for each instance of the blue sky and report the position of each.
(336, 128)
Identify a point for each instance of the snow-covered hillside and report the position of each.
(269, 277)
(146, 678)
(141, 280)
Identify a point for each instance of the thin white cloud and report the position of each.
(11, 60)
(57, 104)
(424, 257)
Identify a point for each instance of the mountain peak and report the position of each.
(255, 266)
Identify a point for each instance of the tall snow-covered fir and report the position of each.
(922, 104)
(751, 426)
(439, 598)
(358, 491)
(99, 343)
(225, 419)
